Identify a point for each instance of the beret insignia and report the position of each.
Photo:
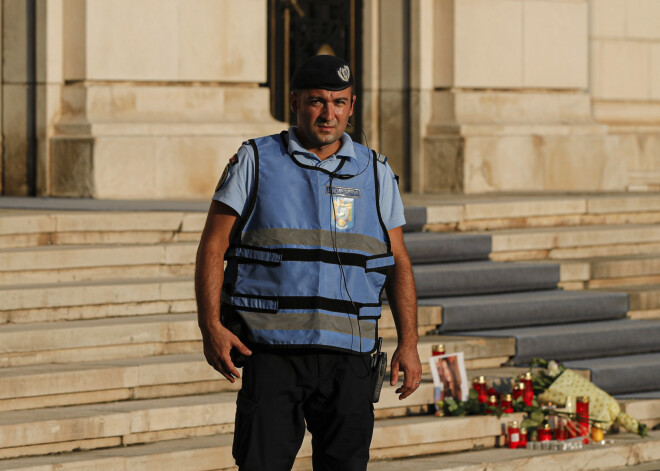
(344, 73)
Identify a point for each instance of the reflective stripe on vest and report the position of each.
(310, 264)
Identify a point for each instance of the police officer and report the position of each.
(309, 223)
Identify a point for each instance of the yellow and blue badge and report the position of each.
(342, 212)
(343, 208)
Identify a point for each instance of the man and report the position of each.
(309, 223)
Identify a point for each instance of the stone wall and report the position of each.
(625, 82)
(134, 98)
(511, 105)
(149, 98)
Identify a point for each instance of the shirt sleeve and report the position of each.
(235, 187)
(391, 206)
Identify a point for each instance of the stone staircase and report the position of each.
(604, 243)
(100, 355)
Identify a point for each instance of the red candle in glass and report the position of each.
(528, 392)
(522, 443)
(545, 433)
(437, 350)
(582, 412)
(492, 401)
(513, 435)
(518, 390)
(507, 404)
(479, 385)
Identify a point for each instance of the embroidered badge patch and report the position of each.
(233, 161)
(342, 212)
(344, 73)
(223, 178)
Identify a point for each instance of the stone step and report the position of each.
(130, 337)
(642, 298)
(39, 386)
(117, 222)
(53, 385)
(163, 332)
(98, 339)
(644, 406)
(42, 386)
(494, 212)
(139, 421)
(531, 308)
(581, 340)
(71, 300)
(606, 272)
(628, 452)
(650, 466)
(71, 222)
(92, 293)
(123, 425)
(434, 247)
(481, 277)
(623, 374)
(625, 267)
(145, 417)
(97, 311)
(576, 242)
(57, 264)
(21, 228)
(62, 264)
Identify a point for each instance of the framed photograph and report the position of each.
(449, 376)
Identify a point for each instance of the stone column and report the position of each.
(159, 95)
(625, 82)
(18, 97)
(511, 106)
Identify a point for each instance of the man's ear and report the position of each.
(293, 101)
(352, 105)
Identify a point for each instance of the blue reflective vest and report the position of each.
(308, 265)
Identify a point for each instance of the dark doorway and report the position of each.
(299, 29)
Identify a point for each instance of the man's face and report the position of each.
(322, 114)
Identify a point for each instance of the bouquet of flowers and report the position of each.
(603, 408)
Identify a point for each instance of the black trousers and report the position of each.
(282, 391)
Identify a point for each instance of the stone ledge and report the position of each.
(392, 438)
(628, 450)
(571, 237)
(59, 257)
(99, 332)
(97, 311)
(95, 292)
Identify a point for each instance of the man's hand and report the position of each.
(221, 223)
(218, 342)
(400, 288)
(406, 359)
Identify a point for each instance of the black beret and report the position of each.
(324, 72)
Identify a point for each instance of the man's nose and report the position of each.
(328, 112)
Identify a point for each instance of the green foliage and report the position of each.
(642, 430)
(472, 406)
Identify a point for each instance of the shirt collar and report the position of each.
(346, 149)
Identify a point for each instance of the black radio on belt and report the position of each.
(378, 368)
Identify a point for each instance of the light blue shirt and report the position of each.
(235, 190)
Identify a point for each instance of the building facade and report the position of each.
(150, 98)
